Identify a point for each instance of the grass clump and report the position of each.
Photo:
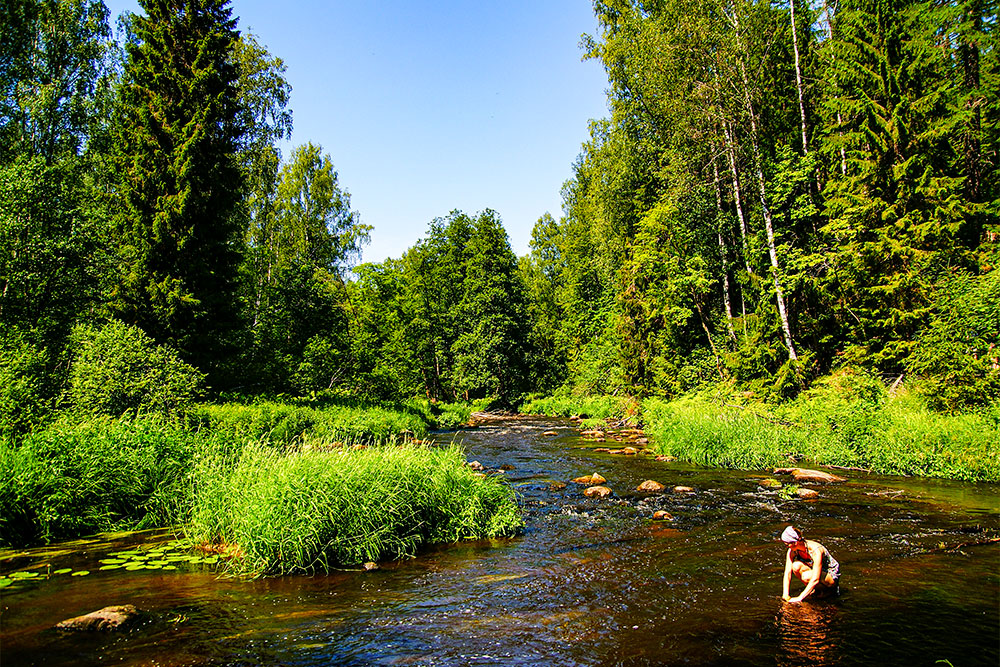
(304, 511)
(848, 419)
(319, 422)
(106, 474)
(596, 408)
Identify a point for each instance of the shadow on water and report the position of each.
(590, 582)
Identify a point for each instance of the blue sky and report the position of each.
(426, 106)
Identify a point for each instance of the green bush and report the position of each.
(116, 369)
(25, 398)
(957, 357)
(306, 511)
(848, 419)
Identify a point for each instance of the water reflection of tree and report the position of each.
(808, 633)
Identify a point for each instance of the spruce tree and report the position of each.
(176, 141)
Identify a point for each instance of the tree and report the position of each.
(302, 254)
(492, 318)
(176, 140)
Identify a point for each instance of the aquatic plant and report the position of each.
(310, 510)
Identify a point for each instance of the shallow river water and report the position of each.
(589, 582)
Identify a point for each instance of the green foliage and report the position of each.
(175, 141)
(25, 391)
(116, 370)
(320, 422)
(71, 480)
(848, 421)
(312, 511)
(958, 356)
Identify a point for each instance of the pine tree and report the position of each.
(177, 139)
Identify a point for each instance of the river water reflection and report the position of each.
(590, 582)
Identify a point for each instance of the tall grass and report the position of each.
(592, 407)
(77, 479)
(324, 422)
(887, 435)
(306, 511)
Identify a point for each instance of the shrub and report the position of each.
(958, 356)
(117, 369)
(25, 401)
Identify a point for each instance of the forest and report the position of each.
(782, 193)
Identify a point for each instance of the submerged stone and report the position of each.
(662, 515)
(805, 475)
(108, 618)
(683, 489)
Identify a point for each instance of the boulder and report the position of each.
(590, 480)
(807, 494)
(814, 476)
(683, 489)
(597, 492)
(551, 433)
(108, 618)
(369, 566)
(662, 515)
(666, 458)
(649, 486)
(592, 434)
(642, 441)
(769, 483)
(475, 465)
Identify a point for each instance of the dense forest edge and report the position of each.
(781, 244)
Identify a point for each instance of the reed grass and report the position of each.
(105, 474)
(305, 511)
(887, 435)
(593, 408)
(317, 423)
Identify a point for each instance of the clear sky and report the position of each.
(426, 106)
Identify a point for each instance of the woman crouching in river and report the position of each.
(812, 563)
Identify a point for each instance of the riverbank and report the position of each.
(345, 480)
(843, 421)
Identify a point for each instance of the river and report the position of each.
(589, 582)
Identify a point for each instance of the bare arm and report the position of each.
(788, 575)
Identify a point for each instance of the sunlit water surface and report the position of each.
(590, 582)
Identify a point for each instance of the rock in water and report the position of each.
(807, 494)
(683, 489)
(662, 515)
(804, 475)
(109, 618)
(590, 480)
(650, 486)
(597, 492)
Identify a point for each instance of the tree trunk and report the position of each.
(798, 80)
(724, 253)
(762, 188)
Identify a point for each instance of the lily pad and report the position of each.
(81, 573)
(116, 566)
(23, 575)
(63, 570)
(169, 567)
(5, 582)
(112, 561)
